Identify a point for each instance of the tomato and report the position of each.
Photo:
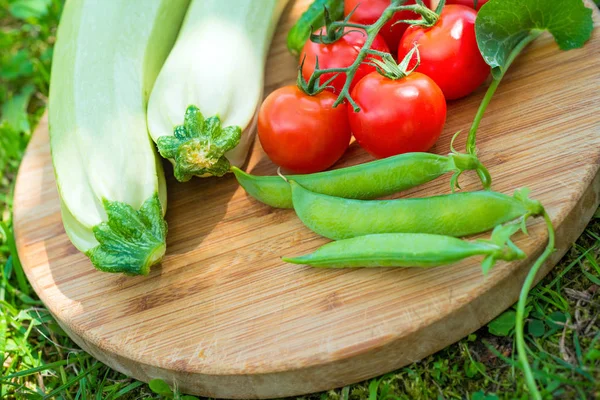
(397, 116)
(449, 52)
(468, 3)
(302, 133)
(342, 53)
(369, 11)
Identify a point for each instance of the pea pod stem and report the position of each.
(472, 138)
(520, 317)
(365, 181)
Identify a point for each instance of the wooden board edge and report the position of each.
(366, 362)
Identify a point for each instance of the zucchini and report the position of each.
(110, 180)
(215, 70)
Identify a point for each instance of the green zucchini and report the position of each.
(110, 180)
(203, 108)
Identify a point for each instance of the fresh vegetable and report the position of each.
(311, 19)
(366, 12)
(365, 181)
(216, 66)
(449, 52)
(335, 29)
(111, 183)
(521, 22)
(303, 133)
(476, 4)
(335, 48)
(412, 250)
(400, 111)
(458, 214)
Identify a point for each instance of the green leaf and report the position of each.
(557, 316)
(552, 386)
(57, 329)
(502, 24)
(159, 386)
(14, 112)
(18, 66)
(536, 328)
(130, 241)
(3, 330)
(480, 395)
(36, 317)
(595, 280)
(472, 368)
(592, 355)
(188, 397)
(503, 324)
(24, 9)
(198, 146)
(312, 19)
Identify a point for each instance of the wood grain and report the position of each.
(224, 317)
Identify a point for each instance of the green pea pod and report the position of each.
(364, 181)
(412, 250)
(312, 19)
(459, 214)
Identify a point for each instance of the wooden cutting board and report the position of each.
(224, 317)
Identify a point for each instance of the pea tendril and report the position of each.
(529, 279)
(471, 140)
(520, 317)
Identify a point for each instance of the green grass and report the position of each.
(39, 361)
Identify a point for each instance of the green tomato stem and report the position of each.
(471, 140)
(350, 24)
(430, 18)
(350, 71)
(520, 317)
(372, 32)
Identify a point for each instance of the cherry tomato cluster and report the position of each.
(402, 106)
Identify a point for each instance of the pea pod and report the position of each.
(312, 19)
(365, 181)
(458, 214)
(412, 250)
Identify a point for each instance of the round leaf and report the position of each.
(502, 24)
(536, 328)
(159, 386)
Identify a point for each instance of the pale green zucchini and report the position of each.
(111, 184)
(215, 70)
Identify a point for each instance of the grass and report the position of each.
(38, 360)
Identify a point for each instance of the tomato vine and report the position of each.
(429, 17)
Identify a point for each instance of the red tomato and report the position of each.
(449, 52)
(339, 54)
(369, 11)
(397, 116)
(303, 133)
(468, 3)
